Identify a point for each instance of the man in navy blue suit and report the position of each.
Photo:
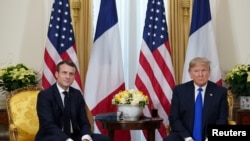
(50, 110)
(214, 100)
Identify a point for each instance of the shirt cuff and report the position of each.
(86, 137)
(69, 139)
(188, 139)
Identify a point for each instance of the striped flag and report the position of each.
(60, 44)
(105, 71)
(202, 41)
(155, 76)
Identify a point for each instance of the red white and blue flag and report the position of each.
(105, 76)
(60, 44)
(202, 41)
(155, 76)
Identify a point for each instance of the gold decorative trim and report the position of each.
(185, 6)
(31, 87)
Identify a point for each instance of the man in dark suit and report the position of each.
(182, 112)
(50, 110)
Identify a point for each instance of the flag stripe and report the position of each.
(201, 42)
(200, 19)
(154, 82)
(107, 102)
(60, 44)
(155, 75)
(105, 71)
(106, 21)
(152, 89)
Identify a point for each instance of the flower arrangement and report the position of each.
(17, 76)
(239, 80)
(131, 97)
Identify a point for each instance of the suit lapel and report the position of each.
(71, 100)
(191, 97)
(208, 99)
(58, 98)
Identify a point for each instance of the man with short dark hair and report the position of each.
(58, 123)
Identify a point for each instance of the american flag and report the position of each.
(60, 44)
(202, 41)
(155, 75)
(105, 76)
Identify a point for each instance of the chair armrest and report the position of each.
(231, 122)
(168, 129)
(13, 131)
(90, 117)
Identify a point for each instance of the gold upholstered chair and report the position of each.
(22, 115)
(230, 100)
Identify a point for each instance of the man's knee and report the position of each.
(100, 137)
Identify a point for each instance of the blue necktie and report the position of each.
(66, 127)
(197, 130)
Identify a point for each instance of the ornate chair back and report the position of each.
(22, 115)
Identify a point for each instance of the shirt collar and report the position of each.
(61, 90)
(203, 87)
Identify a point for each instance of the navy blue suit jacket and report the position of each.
(215, 108)
(50, 114)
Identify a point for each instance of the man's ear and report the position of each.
(56, 74)
(190, 75)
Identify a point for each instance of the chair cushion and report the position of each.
(24, 115)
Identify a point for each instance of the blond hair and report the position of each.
(199, 60)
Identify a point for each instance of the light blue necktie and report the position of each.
(197, 130)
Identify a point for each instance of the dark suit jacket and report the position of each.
(215, 108)
(50, 114)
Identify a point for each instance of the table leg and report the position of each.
(111, 134)
(151, 134)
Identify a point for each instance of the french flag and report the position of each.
(105, 76)
(202, 41)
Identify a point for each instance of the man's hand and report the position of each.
(86, 140)
(189, 139)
